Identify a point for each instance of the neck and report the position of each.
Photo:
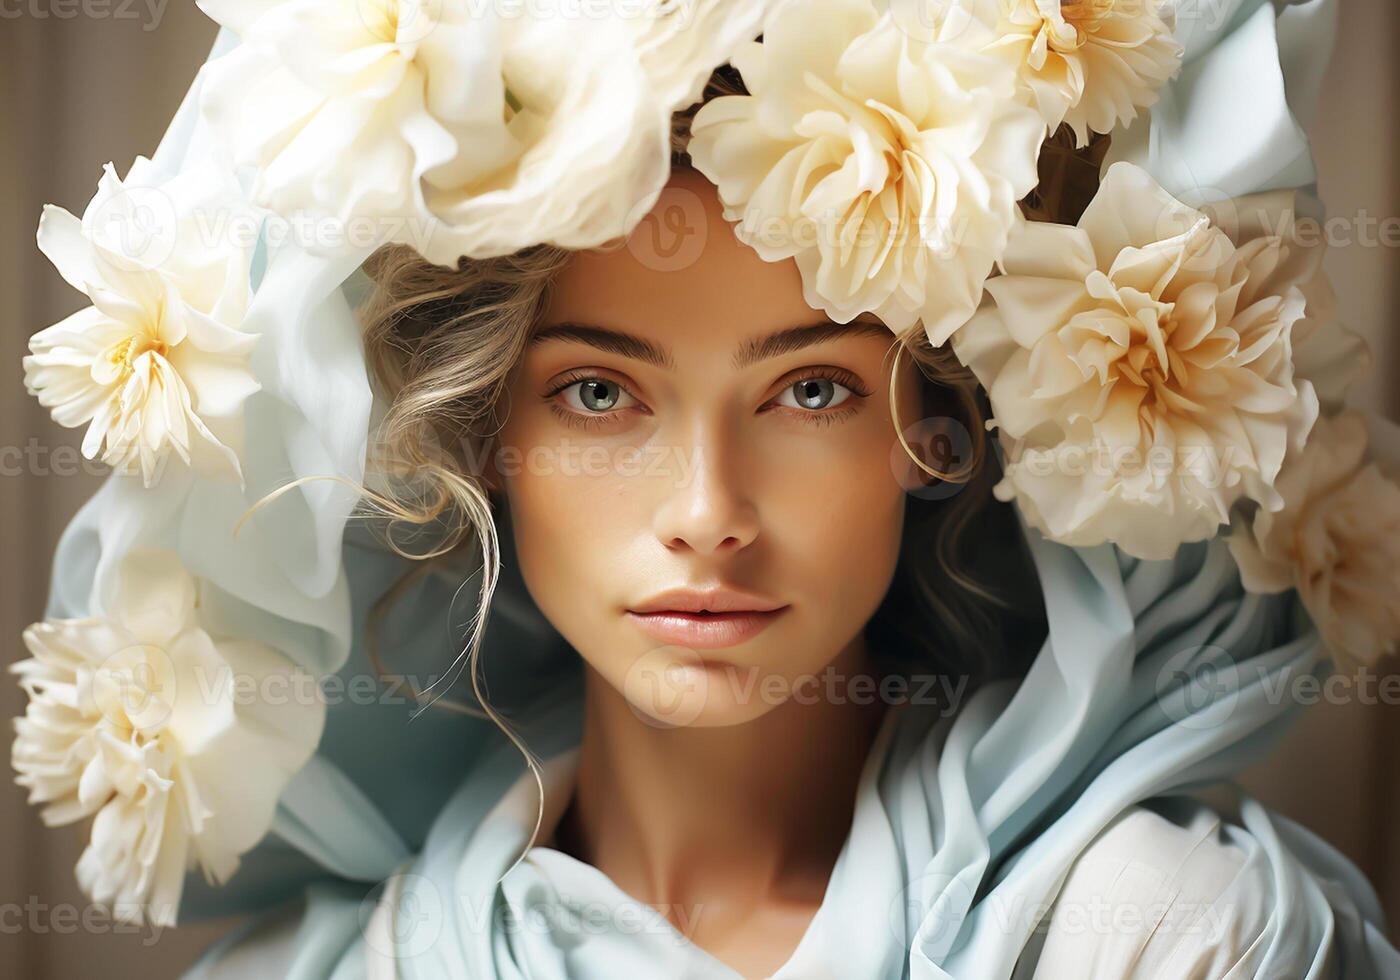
(678, 816)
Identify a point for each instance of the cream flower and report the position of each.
(1326, 353)
(170, 739)
(460, 128)
(1336, 540)
(1140, 369)
(158, 362)
(889, 167)
(1089, 63)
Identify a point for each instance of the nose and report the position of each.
(707, 509)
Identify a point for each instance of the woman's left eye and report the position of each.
(814, 394)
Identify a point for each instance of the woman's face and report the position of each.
(684, 420)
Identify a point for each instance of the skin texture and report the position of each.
(705, 786)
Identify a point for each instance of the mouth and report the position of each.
(704, 630)
(705, 618)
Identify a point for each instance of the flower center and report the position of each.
(123, 355)
(385, 17)
(1078, 19)
(1154, 365)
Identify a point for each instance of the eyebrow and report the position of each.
(760, 348)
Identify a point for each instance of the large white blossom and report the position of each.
(1089, 63)
(1140, 370)
(159, 361)
(1337, 537)
(175, 742)
(462, 128)
(887, 165)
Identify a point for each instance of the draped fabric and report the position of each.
(1155, 678)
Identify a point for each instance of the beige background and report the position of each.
(101, 85)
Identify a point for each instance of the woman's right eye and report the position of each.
(596, 395)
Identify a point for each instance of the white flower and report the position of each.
(889, 167)
(158, 362)
(461, 128)
(1089, 63)
(1140, 369)
(1336, 540)
(164, 735)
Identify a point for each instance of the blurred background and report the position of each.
(98, 80)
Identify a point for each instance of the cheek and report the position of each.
(576, 518)
(835, 513)
(570, 533)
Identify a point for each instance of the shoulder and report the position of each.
(1168, 889)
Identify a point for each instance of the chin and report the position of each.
(672, 687)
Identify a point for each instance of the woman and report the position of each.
(806, 701)
(667, 427)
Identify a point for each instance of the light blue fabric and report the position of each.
(1232, 122)
(1155, 678)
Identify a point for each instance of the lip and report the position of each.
(704, 631)
(705, 619)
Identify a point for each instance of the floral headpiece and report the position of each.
(1166, 369)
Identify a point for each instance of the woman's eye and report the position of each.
(814, 394)
(595, 395)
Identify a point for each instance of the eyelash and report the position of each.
(596, 420)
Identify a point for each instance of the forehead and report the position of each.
(681, 273)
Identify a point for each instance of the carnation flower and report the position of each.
(158, 362)
(1140, 369)
(1089, 63)
(1336, 539)
(1326, 353)
(145, 722)
(888, 166)
(458, 128)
